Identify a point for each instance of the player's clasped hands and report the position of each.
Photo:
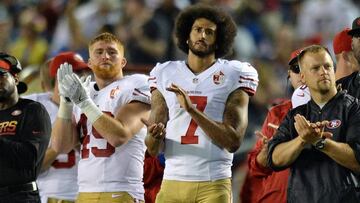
(310, 132)
(156, 130)
(182, 97)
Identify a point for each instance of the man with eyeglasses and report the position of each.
(24, 136)
(263, 184)
(319, 141)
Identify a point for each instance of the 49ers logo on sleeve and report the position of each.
(333, 124)
(218, 78)
(16, 112)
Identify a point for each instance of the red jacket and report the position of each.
(262, 184)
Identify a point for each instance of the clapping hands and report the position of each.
(71, 86)
(310, 132)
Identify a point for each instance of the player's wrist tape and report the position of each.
(65, 109)
(89, 108)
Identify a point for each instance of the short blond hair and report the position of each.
(106, 37)
(315, 48)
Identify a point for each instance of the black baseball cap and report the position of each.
(9, 64)
(355, 27)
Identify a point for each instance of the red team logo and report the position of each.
(218, 78)
(114, 92)
(333, 124)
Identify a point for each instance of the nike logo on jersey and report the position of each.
(301, 94)
(34, 132)
(116, 195)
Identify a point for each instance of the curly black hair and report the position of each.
(226, 28)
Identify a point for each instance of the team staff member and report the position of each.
(203, 102)
(263, 184)
(24, 136)
(347, 68)
(352, 82)
(319, 140)
(58, 180)
(106, 123)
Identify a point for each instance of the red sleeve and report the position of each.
(255, 169)
(275, 116)
(153, 173)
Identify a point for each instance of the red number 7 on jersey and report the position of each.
(190, 137)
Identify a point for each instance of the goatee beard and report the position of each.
(202, 54)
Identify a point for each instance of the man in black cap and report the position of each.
(24, 136)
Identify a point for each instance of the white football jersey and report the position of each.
(300, 96)
(60, 180)
(189, 153)
(104, 168)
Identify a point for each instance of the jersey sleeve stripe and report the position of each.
(151, 78)
(250, 79)
(248, 90)
(138, 91)
(152, 89)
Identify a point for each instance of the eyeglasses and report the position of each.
(295, 68)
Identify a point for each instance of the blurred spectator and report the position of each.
(325, 17)
(30, 47)
(5, 27)
(244, 45)
(247, 14)
(165, 15)
(141, 34)
(51, 10)
(82, 22)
